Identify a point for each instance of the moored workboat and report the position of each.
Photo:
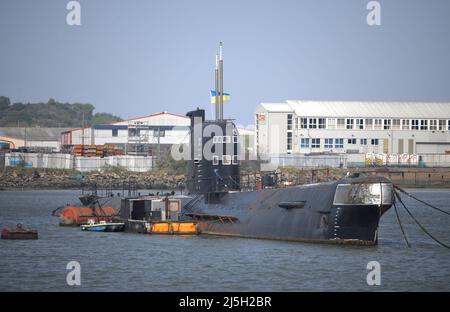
(103, 226)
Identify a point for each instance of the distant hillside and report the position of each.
(50, 114)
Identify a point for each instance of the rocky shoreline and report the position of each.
(30, 178)
(14, 178)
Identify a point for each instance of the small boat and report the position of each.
(103, 226)
(19, 232)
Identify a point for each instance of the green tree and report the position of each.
(4, 103)
(104, 118)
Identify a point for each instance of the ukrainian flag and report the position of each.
(226, 97)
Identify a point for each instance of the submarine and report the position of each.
(346, 211)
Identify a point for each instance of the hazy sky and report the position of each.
(133, 58)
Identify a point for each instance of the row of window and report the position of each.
(226, 160)
(370, 124)
(332, 142)
(225, 139)
(135, 132)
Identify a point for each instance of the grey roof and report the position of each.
(435, 110)
(33, 134)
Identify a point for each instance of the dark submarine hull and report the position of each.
(347, 211)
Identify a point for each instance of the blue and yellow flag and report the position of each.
(226, 97)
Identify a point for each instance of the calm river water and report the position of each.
(136, 262)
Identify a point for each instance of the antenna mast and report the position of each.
(221, 80)
(216, 98)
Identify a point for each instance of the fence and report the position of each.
(83, 164)
(360, 160)
(309, 161)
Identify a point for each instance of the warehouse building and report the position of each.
(142, 135)
(333, 127)
(31, 138)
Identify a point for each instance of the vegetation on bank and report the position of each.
(50, 114)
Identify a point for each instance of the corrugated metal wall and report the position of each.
(83, 164)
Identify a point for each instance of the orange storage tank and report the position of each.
(74, 215)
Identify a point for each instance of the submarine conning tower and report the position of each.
(213, 167)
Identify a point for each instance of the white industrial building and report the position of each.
(31, 138)
(161, 129)
(333, 127)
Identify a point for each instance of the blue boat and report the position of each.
(103, 226)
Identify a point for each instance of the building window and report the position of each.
(351, 141)
(448, 125)
(387, 124)
(289, 141)
(363, 141)
(159, 133)
(339, 143)
(441, 124)
(424, 124)
(215, 160)
(369, 124)
(134, 132)
(374, 142)
(433, 124)
(360, 124)
(321, 123)
(289, 121)
(415, 124)
(304, 143)
(396, 124)
(312, 123)
(115, 132)
(315, 143)
(341, 123)
(226, 159)
(331, 123)
(328, 143)
(303, 123)
(378, 124)
(405, 124)
(350, 123)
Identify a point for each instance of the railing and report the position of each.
(109, 188)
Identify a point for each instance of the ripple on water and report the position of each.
(132, 262)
